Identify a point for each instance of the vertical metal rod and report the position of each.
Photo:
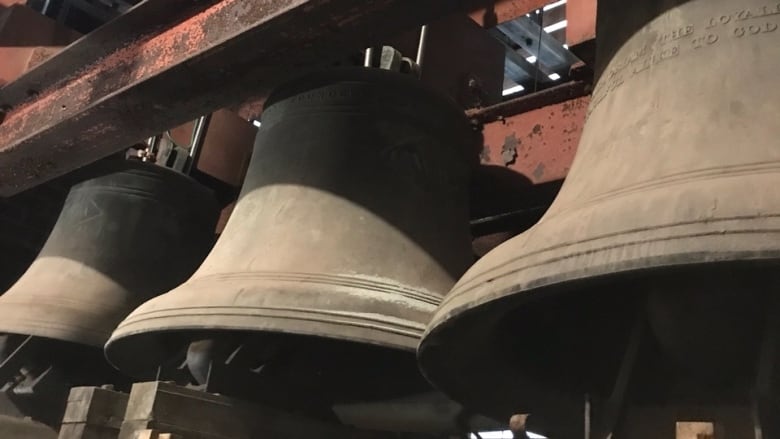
(150, 150)
(198, 137)
(45, 7)
(614, 405)
(16, 359)
(586, 427)
(763, 386)
(369, 57)
(756, 418)
(421, 46)
(539, 49)
(62, 16)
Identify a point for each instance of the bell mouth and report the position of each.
(297, 372)
(351, 336)
(545, 349)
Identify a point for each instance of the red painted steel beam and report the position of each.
(500, 11)
(581, 16)
(168, 61)
(538, 144)
(28, 38)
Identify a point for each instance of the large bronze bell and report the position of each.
(127, 232)
(670, 215)
(351, 225)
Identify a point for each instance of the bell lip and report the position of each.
(135, 341)
(63, 332)
(455, 304)
(26, 427)
(537, 395)
(305, 316)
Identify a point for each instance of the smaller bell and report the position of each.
(127, 232)
(125, 235)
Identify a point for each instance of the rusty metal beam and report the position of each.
(168, 61)
(581, 16)
(501, 11)
(522, 104)
(28, 38)
(538, 144)
(581, 29)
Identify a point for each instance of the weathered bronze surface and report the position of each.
(351, 225)
(670, 212)
(26, 221)
(126, 233)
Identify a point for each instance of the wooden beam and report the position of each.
(93, 413)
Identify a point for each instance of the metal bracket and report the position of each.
(607, 421)
(764, 403)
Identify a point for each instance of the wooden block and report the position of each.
(83, 431)
(695, 430)
(93, 413)
(154, 434)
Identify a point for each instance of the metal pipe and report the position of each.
(588, 415)
(151, 149)
(367, 61)
(45, 7)
(421, 45)
(198, 137)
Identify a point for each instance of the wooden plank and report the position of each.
(192, 414)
